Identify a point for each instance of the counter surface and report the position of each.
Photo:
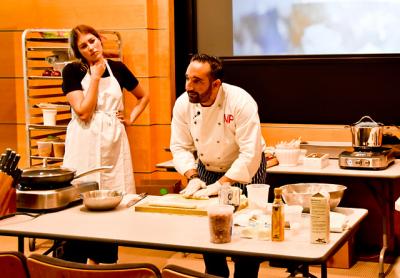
(333, 169)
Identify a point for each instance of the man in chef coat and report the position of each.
(220, 123)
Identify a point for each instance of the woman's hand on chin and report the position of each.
(98, 68)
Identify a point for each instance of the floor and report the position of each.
(194, 261)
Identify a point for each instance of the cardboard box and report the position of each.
(345, 256)
(316, 160)
(319, 215)
(159, 186)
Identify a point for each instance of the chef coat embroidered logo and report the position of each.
(228, 118)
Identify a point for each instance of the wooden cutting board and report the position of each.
(175, 200)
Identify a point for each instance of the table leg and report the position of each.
(21, 244)
(384, 200)
(384, 247)
(324, 271)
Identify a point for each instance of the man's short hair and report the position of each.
(214, 62)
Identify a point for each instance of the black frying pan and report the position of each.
(40, 177)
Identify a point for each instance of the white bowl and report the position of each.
(288, 157)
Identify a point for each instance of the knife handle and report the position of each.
(13, 166)
(2, 160)
(16, 177)
(8, 163)
(6, 157)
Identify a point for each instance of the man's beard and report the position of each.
(195, 97)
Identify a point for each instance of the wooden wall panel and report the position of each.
(8, 109)
(138, 44)
(130, 101)
(8, 134)
(160, 107)
(19, 95)
(140, 147)
(273, 133)
(135, 53)
(148, 144)
(11, 42)
(159, 15)
(159, 61)
(160, 98)
(102, 14)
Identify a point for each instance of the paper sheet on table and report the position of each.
(338, 222)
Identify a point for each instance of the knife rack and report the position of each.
(47, 50)
(9, 175)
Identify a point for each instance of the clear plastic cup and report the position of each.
(49, 116)
(45, 149)
(59, 149)
(220, 223)
(257, 195)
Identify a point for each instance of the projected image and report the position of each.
(278, 27)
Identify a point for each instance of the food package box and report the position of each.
(320, 218)
(316, 160)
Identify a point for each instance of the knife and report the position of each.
(6, 157)
(2, 159)
(6, 167)
(13, 166)
(135, 201)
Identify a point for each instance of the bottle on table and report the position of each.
(278, 217)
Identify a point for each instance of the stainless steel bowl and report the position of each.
(300, 193)
(101, 199)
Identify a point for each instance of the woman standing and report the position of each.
(96, 134)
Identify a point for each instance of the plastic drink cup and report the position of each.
(59, 149)
(49, 116)
(220, 223)
(257, 195)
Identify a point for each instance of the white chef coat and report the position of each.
(102, 141)
(227, 135)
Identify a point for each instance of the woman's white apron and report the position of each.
(102, 141)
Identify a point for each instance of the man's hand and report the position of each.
(193, 186)
(212, 189)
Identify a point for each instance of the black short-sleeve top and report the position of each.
(74, 72)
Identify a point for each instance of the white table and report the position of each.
(383, 195)
(173, 232)
(333, 169)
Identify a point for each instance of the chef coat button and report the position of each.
(219, 123)
(195, 122)
(197, 140)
